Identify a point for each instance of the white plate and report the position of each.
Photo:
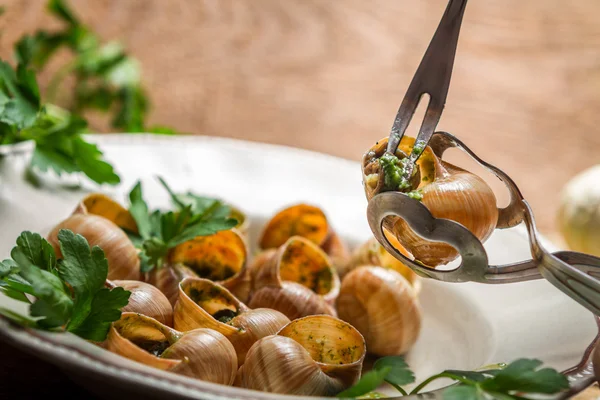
(465, 325)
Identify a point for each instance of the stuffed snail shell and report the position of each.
(312, 356)
(383, 306)
(309, 222)
(205, 304)
(201, 353)
(448, 192)
(96, 219)
(297, 280)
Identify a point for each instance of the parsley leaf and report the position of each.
(499, 381)
(523, 375)
(57, 133)
(400, 373)
(159, 231)
(368, 382)
(463, 393)
(69, 293)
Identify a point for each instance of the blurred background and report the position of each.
(329, 75)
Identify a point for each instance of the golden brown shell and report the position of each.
(202, 301)
(122, 256)
(448, 191)
(312, 356)
(297, 280)
(309, 222)
(201, 353)
(383, 306)
(147, 300)
(221, 257)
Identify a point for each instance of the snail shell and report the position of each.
(122, 256)
(312, 356)
(297, 279)
(373, 253)
(103, 206)
(243, 224)
(308, 222)
(220, 257)
(449, 192)
(147, 300)
(205, 304)
(201, 353)
(383, 306)
(167, 278)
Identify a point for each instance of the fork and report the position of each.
(576, 274)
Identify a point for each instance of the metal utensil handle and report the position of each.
(580, 286)
(432, 77)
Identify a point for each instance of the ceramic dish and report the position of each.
(465, 326)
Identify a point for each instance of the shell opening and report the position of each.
(141, 332)
(328, 340)
(304, 263)
(217, 257)
(213, 299)
(299, 220)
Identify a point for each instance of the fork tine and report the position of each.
(432, 77)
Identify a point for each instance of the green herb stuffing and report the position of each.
(160, 231)
(512, 381)
(69, 293)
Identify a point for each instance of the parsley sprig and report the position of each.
(107, 78)
(159, 231)
(504, 382)
(67, 294)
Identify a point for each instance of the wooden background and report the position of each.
(329, 75)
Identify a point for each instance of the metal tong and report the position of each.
(576, 274)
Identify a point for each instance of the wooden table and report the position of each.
(329, 75)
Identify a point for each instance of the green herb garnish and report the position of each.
(160, 231)
(503, 382)
(107, 78)
(57, 133)
(68, 294)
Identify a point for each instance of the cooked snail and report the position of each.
(205, 304)
(297, 279)
(220, 257)
(167, 278)
(447, 191)
(201, 353)
(103, 206)
(383, 306)
(122, 256)
(146, 299)
(372, 253)
(317, 355)
(309, 222)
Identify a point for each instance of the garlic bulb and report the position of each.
(147, 300)
(122, 256)
(220, 257)
(297, 280)
(382, 305)
(449, 192)
(167, 278)
(308, 222)
(312, 356)
(201, 353)
(579, 213)
(372, 253)
(205, 304)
